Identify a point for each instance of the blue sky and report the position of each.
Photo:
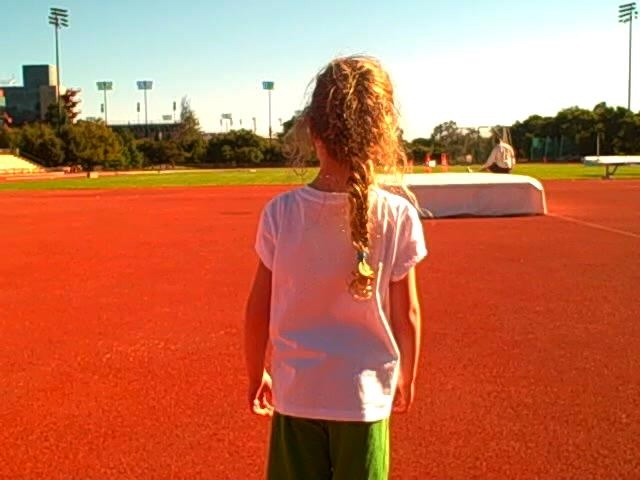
(478, 62)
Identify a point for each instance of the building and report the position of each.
(30, 102)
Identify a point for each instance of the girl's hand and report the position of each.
(404, 397)
(260, 396)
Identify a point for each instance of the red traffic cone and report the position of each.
(444, 162)
(427, 162)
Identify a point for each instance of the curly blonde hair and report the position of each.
(353, 114)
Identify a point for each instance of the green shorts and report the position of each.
(304, 449)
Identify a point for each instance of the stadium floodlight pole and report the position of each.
(145, 85)
(227, 119)
(59, 18)
(626, 14)
(103, 87)
(268, 86)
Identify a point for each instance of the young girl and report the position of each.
(334, 297)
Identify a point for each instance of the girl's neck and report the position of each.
(333, 175)
(330, 181)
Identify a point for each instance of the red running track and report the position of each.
(121, 357)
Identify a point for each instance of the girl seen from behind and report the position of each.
(334, 296)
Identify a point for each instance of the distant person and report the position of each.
(334, 299)
(502, 158)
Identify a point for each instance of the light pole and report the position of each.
(229, 120)
(145, 85)
(626, 14)
(103, 87)
(59, 18)
(268, 86)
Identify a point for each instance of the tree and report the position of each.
(92, 144)
(274, 156)
(529, 136)
(578, 127)
(221, 147)
(456, 142)
(573, 132)
(39, 141)
(189, 136)
(422, 142)
(619, 129)
(70, 101)
(287, 125)
(68, 112)
(417, 149)
(448, 138)
(8, 137)
(161, 153)
(55, 119)
(247, 156)
(131, 155)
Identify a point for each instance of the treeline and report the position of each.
(568, 136)
(94, 145)
(571, 134)
(577, 132)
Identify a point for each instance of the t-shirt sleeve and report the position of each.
(410, 245)
(266, 236)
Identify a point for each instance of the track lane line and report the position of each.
(594, 225)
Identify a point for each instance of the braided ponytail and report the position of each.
(360, 178)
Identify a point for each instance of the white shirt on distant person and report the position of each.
(502, 155)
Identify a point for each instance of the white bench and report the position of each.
(611, 162)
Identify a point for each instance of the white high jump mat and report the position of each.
(477, 194)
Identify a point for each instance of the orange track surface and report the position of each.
(121, 348)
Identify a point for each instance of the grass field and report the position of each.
(277, 176)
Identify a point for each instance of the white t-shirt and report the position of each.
(333, 357)
(502, 155)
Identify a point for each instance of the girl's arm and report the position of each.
(406, 325)
(256, 330)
